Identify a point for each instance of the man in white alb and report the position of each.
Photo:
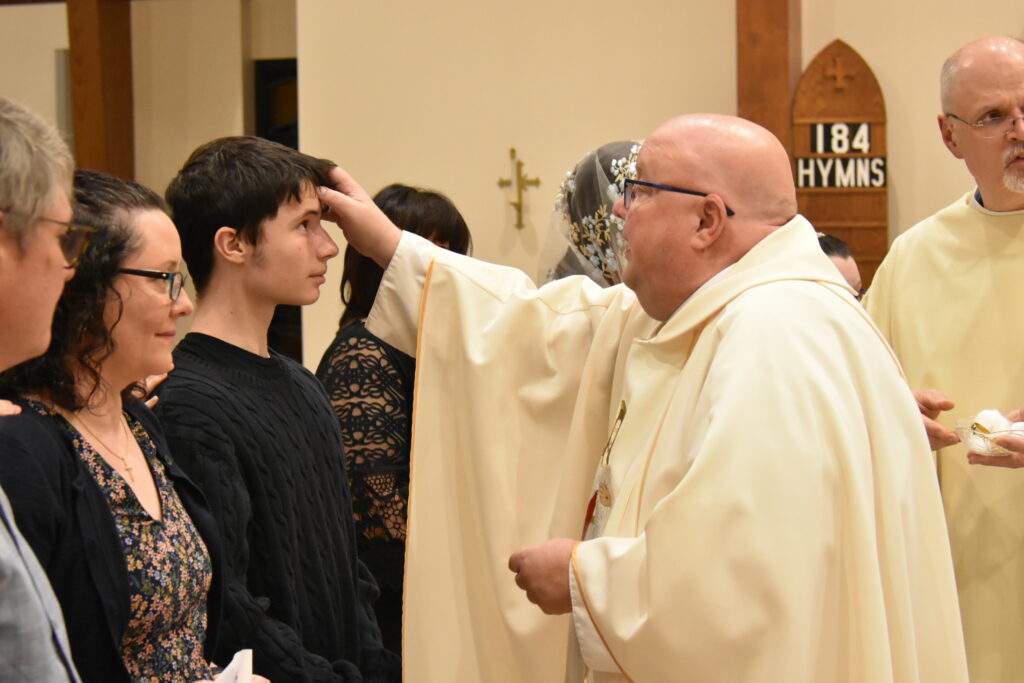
(728, 430)
(948, 298)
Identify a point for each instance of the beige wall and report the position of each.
(192, 76)
(271, 29)
(188, 81)
(189, 68)
(187, 59)
(435, 93)
(905, 43)
(30, 36)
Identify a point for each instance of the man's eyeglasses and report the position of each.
(175, 281)
(73, 242)
(992, 125)
(637, 187)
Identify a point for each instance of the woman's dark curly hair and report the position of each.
(81, 341)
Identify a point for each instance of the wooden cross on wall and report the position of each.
(839, 75)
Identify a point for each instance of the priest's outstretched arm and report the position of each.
(500, 291)
(513, 403)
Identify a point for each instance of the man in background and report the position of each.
(948, 296)
(839, 253)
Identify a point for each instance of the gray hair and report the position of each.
(34, 163)
(947, 80)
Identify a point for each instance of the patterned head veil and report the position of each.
(586, 237)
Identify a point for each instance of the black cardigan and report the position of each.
(64, 516)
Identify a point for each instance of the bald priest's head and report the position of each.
(982, 120)
(709, 187)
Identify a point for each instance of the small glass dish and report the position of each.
(980, 440)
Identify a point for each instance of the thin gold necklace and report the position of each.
(124, 462)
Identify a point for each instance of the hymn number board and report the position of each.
(843, 160)
(839, 153)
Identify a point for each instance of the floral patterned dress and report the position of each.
(169, 570)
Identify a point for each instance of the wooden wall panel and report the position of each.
(840, 153)
(99, 33)
(768, 63)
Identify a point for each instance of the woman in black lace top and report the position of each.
(370, 384)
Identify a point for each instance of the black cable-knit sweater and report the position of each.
(258, 436)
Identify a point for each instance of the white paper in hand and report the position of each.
(239, 670)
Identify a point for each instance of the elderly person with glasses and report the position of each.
(36, 246)
(125, 538)
(689, 473)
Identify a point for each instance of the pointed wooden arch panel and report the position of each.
(839, 153)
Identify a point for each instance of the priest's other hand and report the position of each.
(931, 402)
(8, 408)
(365, 226)
(1011, 442)
(543, 572)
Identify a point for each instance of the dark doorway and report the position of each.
(277, 119)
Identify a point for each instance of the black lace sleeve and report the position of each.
(370, 387)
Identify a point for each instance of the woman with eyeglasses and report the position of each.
(125, 538)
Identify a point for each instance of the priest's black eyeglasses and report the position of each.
(631, 191)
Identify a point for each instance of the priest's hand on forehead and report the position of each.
(365, 226)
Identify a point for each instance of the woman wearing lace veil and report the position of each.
(585, 236)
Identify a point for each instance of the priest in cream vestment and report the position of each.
(950, 298)
(731, 429)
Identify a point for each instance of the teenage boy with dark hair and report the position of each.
(255, 430)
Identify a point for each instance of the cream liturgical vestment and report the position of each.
(950, 298)
(772, 509)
